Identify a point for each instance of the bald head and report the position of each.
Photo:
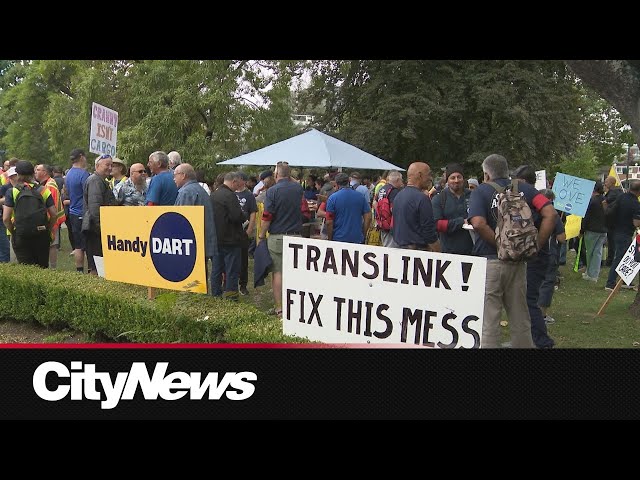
(609, 182)
(419, 175)
(138, 174)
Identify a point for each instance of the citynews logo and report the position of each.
(84, 378)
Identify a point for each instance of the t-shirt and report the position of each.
(248, 203)
(484, 203)
(75, 180)
(347, 206)
(162, 189)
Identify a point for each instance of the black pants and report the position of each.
(94, 247)
(32, 250)
(244, 260)
(610, 248)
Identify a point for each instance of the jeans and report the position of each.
(5, 252)
(548, 284)
(536, 271)
(227, 261)
(594, 242)
(563, 253)
(621, 243)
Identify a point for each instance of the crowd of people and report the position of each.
(454, 214)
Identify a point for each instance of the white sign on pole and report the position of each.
(339, 292)
(628, 268)
(541, 179)
(104, 130)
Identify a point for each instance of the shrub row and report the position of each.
(123, 313)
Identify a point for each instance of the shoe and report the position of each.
(274, 311)
(244, 291)
(506, 345)
(587, 277)
(549, 320)
(608, 289)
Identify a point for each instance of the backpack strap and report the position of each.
(496, 187)
(443, 199)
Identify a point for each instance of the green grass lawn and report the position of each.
(574, 307)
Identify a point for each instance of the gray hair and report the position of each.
(393, 176)
(231, 176)
(175, 157)
(495, 166)
(189, 172)
(48, 169)
(161, 157)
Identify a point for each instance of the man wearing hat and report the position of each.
(473, 184)
(30, 245)
(118, 172)
(249, 208)
(260, 185)
(5, 244)
(450, 211)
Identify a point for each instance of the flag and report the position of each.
(573, 225)
(614, 174)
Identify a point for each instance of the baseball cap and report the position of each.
(76, 153)
(11, 172)
(23, 167)
(265, 174)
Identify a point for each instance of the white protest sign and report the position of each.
(541, 179)
(337, 292)
(104, 130)
(628, 268)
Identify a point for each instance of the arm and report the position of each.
(562, 237)
(329, 223)
(53, 216)
(7, 212)
(549, 216)
(367, 223)
(94, 199)
(252, 224)
(481, 227)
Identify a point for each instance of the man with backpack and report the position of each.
(383, 207)
(25, 216)
(450, 209)
(537, 267)
(506, 263)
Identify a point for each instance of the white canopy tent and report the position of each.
(313, 149)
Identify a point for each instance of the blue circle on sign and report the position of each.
(173, 247)
(568, 206)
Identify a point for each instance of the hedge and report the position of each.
(122, 312)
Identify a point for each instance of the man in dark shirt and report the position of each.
(506, 281)
(228, 218)
(413, 224)
(450, 210)
(594, 233)
(281, 216)
(611, 194)
(627, 219)
(249, 208)
(537, 268)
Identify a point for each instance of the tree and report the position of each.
(446, 111)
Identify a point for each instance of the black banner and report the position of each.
(283, 383)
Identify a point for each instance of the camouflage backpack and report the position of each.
(516, 234)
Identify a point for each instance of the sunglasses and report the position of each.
(282, 163)
(102, 157)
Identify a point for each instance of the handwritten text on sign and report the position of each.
(339, 292)
(572, 194)
(628, 268)
(104, 130)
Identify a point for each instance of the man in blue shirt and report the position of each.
(348, 213)
(74, 184)
(162, 189)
